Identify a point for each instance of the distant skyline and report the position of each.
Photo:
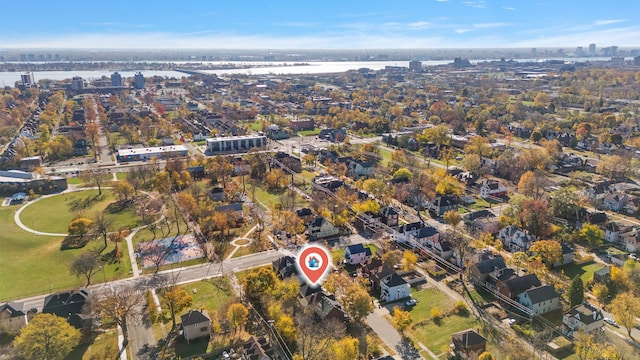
(329, 24)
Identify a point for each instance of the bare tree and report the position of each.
(102, 225)
(86, 264)
(120, 305)
(315, 339)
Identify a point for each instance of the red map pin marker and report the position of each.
(313, 262)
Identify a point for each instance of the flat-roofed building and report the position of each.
(160, 152)
(234, 144)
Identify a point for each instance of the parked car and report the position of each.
(611, 322)
(410, 302)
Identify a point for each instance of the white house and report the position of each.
(514, 239)
(425, 236)
(357, 254)
(195, 324)
(540, 300)
(492, 188)
(321, 228)
(584, 317)
(393, 287)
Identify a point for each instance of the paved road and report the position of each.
(390, 335)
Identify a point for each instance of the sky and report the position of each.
(326, 24)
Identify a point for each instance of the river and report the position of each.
(279, 68)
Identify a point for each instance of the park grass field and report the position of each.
(53, 214)
(32, 265)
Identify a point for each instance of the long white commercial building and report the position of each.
(234, 144)
(161, 152)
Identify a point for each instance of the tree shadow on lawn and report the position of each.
(74, 242)
(81, 203)
(118, 206)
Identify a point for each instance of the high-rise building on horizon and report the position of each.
(592, 49)
(415, 65)
(77, 83)
(27, 79)
(138, 80)
(116, 79)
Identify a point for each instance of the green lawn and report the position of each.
(267, 198)
(432, 335)
(32, 265)
(104, 346)
(210, 294)
(585, 271)
(313, 132)
(386, 156)
(61, 209)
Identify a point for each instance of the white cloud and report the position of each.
(609, 22)
(442, 0)
(462, 31)
(480, 4)
(508, 8)
(490, 25)
(419, 24)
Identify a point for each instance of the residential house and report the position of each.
(568, 254)
(631, 240)
(284, 266)
(256, 349)
(234, 210)
(12, 317)
(282, 159)
(614, 231)
(195, 324)
(333, 135)
(584, 317)
(424, 236)
(359, 168)
(367, 222)
(514, 239)
(480, 271)
(517, 285)
(615, 201)
(540, 300)
(406, 230)
(393, 287)
(377, 272)
(443, 249)
(66, 303)
(217, 194)
(321, 228)
(241, 166)
(482, 221)
(597, 192)
(488, 164)
(327, 308)
(468, 344)
(305, 214)
(306, 294)
(357, 254)
(602, 276)
(442, 204)
(389, 216)
(492, 188)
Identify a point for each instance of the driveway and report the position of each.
(390, 336)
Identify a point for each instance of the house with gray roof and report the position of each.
(584, 317)
(12, 317)
(540, 300)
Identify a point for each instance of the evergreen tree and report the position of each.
(576, 291)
